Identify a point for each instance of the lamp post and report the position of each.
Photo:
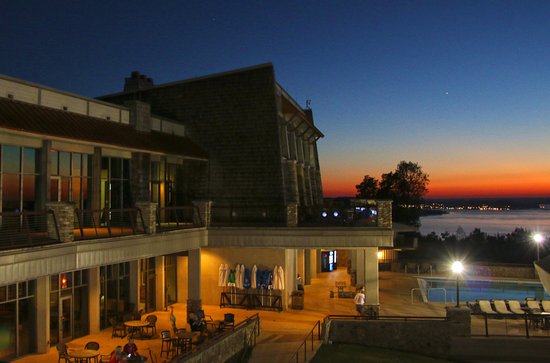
(457, 269)
(538, 238)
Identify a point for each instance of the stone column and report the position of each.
(194, 303)
(384, 213)
(182, 278)
(307, 267)
(370, 275)
(42, 314)
(149, 214)
(94, 292)
(64, 216)
(460, 321)
(205, 211)
(292, 215)
(135, 284)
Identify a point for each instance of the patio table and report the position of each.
(136, 326)
(84, 355)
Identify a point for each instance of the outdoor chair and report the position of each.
(515, 307)
(166, 342)
(501, 308)
(152, 320)
(486, 308)
(534, 306)
(63, 356)
(119, 330)
(92, 346)
(228, 321)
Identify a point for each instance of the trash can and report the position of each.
(297, 299)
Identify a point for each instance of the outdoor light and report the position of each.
(538, 238)
(457, 269)
(380, 254)
(335, 214)
(324, 214)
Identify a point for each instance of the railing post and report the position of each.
(61, 224)
(148, 216)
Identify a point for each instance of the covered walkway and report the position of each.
(281, 332)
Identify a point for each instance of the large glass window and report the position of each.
(115, 292)
(68, 306)
(115, 183)
(17, 319)
(20, 172)
(70, 178)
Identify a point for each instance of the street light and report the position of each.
(457, 269)
(538, 238)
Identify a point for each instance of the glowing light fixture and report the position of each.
(457, 269)
(538, 238)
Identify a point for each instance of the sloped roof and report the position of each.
(40, 120)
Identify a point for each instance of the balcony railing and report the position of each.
(104, 223)
(248, 216)
(27, 229)
(172, 218)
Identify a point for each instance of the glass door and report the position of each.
(55, 189)
(66, 319)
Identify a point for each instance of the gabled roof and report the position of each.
(40, 120)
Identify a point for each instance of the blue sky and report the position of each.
(461, 87)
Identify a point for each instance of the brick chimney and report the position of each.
(137, 82)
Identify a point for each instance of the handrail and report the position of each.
(304, 343)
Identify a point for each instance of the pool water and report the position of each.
(472, 290)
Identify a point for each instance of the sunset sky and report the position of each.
(460, 87)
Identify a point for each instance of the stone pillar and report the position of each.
(94, 292)
(384, 213)
(352, 257)
(183, 281)
(194, 303)
(292, 182)
(140, 115)
(370, 275)
(460, 321)
(160, 284)
(140, 166)
(149, 214)
(307, 267)
(64, 216)
(205, 211)
(292, 215)
(290, 276)
(42, 314)
(359, 268)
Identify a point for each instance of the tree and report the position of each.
(368, 188)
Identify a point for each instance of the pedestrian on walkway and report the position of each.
(359, 300)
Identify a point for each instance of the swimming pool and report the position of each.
(472, 290)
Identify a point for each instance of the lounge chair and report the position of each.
(486, 308)
(534, 306)
(501, 308)
(545, 305)
(515, 307)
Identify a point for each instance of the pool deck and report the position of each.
(283, 332)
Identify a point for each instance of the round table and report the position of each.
(83, 355)
(136, 325)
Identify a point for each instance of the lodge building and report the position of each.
(132, 201)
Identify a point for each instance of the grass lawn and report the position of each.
(332, 353)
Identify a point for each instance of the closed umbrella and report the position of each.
(275, 277)
(241, 277)
(238, 276)
(222, 275)
(281, 278)
(253, 282)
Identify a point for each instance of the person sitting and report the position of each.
(130, 351)
(195, 323)
(117, 355)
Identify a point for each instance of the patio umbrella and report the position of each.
(253, 282)
(222, 275)
(241, 277)
(275, 277)
(281, 278)
(238, 276)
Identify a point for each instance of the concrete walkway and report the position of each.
(281, 332)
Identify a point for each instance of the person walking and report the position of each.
(359, 300)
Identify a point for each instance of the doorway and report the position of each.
(66, 319)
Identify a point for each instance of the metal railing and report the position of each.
(517, 325)
(172, 218)
(27, 229)
(105, 223)
(217, 338)
(311, 335)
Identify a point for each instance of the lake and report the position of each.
(490, 222)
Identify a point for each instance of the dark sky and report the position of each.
(461, 87)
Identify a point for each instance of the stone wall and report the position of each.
(433, 337)
(234, 117)
(226, 348)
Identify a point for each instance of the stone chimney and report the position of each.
(137, 82)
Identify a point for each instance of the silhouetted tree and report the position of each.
(368, 188)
